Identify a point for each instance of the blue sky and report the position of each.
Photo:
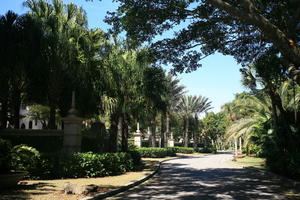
(219, 78)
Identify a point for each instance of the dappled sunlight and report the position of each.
(214, 180)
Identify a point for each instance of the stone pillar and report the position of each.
(171, 141)
(72, 130)
(138, 137)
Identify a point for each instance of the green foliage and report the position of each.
(185, 150)
(136, 158)
(208, 150)
(196, 33)
(96, 165)
(155, 152)
(26, 158)
(213, 128)
(5, 155)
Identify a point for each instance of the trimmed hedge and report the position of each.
(155, 152)
(185, 150)
(96, 165)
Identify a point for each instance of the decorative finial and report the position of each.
(73, 110)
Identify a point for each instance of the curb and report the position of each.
(125, 187)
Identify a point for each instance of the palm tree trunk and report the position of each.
(186, 132)
(152, 138)
(3, 114)
(52, 118)
(162, 130)
(119, 138)
(113, 136)
(166, 133)
(16, 108)
(125, 133)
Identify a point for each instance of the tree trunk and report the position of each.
(125, 134)
(186, 132)
(166, 133)
(162, 130)
(113, 136)
(52, 117)
(196, 133)
(251, 15)
(16, 108)
(152, 142)
(119, 138)
(3, 114)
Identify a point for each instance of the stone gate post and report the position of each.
(72, 130)
(138, 136)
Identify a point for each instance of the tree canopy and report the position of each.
(245, 29)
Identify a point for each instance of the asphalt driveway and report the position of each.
(210, 177)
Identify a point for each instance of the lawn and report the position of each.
(251, 162)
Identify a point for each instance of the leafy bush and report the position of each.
(25, 158)
(5, 155)
(154, 152)
(185, 150)
(136, 158)
(96, 165)
(208, 150)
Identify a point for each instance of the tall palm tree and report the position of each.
(188, 106)
(64, 27)
(7, 39)
(173, 94)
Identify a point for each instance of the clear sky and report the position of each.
(219, 78)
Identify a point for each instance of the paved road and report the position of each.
(209, 177)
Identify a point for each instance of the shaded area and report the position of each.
(24, 191)
(185, 179)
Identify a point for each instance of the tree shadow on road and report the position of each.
(177, 182)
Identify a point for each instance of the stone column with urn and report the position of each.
(72, 130)
(137, 136)
(171, 140)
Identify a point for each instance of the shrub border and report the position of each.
(124, 188)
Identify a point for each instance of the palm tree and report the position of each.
(173, 94)
(188, 106)
(7, 31)
(64, 29)
(259, 111)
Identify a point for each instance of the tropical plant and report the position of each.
(188, 106)
(173, 94)
(66, 45)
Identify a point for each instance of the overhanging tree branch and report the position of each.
(287, 46)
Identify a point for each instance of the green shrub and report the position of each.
(5, 155)
(208, 150)
(136, 158)
(95, 165)
(155, 152)
(26, 158)
(185, 150)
